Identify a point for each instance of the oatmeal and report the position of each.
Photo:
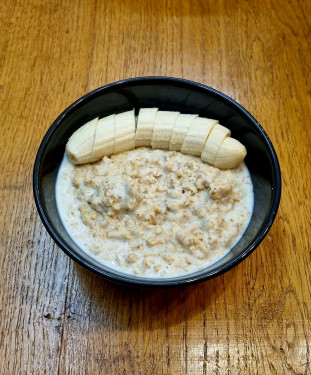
(154, 213)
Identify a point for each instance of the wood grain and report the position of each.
(57, 318)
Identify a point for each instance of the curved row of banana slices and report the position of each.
(164, 130)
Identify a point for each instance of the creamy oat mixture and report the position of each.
(154, 213)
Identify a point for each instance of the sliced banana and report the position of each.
(104, 138)
(163, 128)
(80, 145)
(124, 131)
(196, 136)
(230, 154)
(145, 125)
(213, 143)
(180, 129)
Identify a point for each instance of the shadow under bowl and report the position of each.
(171, 94)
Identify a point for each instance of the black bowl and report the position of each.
(172, 94)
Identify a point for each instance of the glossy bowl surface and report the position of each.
(172, 94)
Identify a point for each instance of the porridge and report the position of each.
(154, 213)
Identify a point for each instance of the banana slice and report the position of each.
(80, 145)
(124, 131)
(180, 129)
(145, 124)
(163, 128)
(196, 136)
(104, 138)
(230, 154)
(213, 143)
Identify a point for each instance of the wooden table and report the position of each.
(56, 317)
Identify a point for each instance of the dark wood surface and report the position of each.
(56, 317)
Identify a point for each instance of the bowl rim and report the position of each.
(160, 283)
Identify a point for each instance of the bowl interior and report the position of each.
(166, 94)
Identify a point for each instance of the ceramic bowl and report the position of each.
(172, 94)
